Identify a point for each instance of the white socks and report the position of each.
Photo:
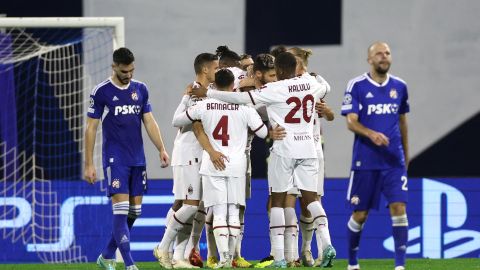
(277, 230)
(321, 224)
(176, 223)
(291, 233)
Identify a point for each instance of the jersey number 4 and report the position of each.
(290, 117)
(221, 131)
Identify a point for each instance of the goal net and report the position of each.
(48, 67)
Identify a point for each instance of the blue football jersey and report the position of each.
(378, 108)
(121, 111)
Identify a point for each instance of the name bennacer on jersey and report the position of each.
(222, 107)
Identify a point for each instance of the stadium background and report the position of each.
(435, 49)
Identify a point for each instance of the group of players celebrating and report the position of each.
(233, 99)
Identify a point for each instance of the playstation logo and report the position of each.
(445, 211)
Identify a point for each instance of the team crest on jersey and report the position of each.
(347, 99)
(116, 183)
(92, 102)
(393, 93)
(190, 190)
(134, 95)
(355, 200)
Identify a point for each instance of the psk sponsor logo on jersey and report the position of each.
(116, 183)
(134, 96)
(127, 109)
(369, 95)
(393, 93)
(190, 190)
(115, 98)
(355, 200)
(347, 99)
(388, 108)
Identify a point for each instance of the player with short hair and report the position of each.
(246, 62)
(231, 60)
(186, 161)
(375, 105)
(226, 126)
(122, 104)
(326, 252)
(290, 103)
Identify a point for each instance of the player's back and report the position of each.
(291, 105)
(226, 126)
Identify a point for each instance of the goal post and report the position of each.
(48, 67)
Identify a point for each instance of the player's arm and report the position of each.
(90, 134)
(324, 110)
(255, 123)
(155, 136)
(355, 126)
(404, 133)
(231, 97)
(216, 157)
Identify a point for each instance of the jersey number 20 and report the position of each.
(290, 117)
(221, 131)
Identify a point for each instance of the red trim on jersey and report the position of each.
(189, 118)
(251, 98)
(257, 129)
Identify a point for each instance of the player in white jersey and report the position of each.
(290, 103)
(231, 60)
(226, 126)
(325, 248)
(186, 160)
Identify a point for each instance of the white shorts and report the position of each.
(187, 183)
(223, 190)
(286, 173)
(321, 174)
(248, 178)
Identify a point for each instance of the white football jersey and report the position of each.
(186, 149)
(226, 126)
(238, 75)
(290, 103)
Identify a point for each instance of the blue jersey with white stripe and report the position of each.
(121, 110)
(378, 108)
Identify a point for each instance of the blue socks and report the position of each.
(354, 232)
(400, 238)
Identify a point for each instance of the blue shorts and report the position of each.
(130, 180)
(365, 187)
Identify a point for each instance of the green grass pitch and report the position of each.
(412, 264)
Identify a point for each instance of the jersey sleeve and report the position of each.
(180, 110)
(404, 105)
(255, 122)
(265, 95)
(231, 97)
(146, 107)
(187, 117)
(350, 100)
(97, 105)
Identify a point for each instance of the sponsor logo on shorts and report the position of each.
(116, 183)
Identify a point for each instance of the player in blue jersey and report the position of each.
(122, 104)
(375, 105)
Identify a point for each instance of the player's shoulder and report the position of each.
(99, 88)
(138, 84)
(397, 80)
(356, 81)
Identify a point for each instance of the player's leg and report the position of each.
(395, 190)
(192, 251)
(363, 194)
(233, 221)
(280, 180)
(307, 229)
(290, 237)
(177, 204)
(240, 184)
(212, 258)
(306, 178)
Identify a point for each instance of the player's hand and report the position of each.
(247, 82)
(199, 91)
(277, 133)
(250, 72)
(218, 160)
(322, 108)
(188, 90)
(378, 138)
(90, 174)
(164, 159)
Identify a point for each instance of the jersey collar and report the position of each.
(118, 86)
(367, 75)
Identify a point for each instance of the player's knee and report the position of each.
(177, 204)
(360, 216)
(398, 209)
